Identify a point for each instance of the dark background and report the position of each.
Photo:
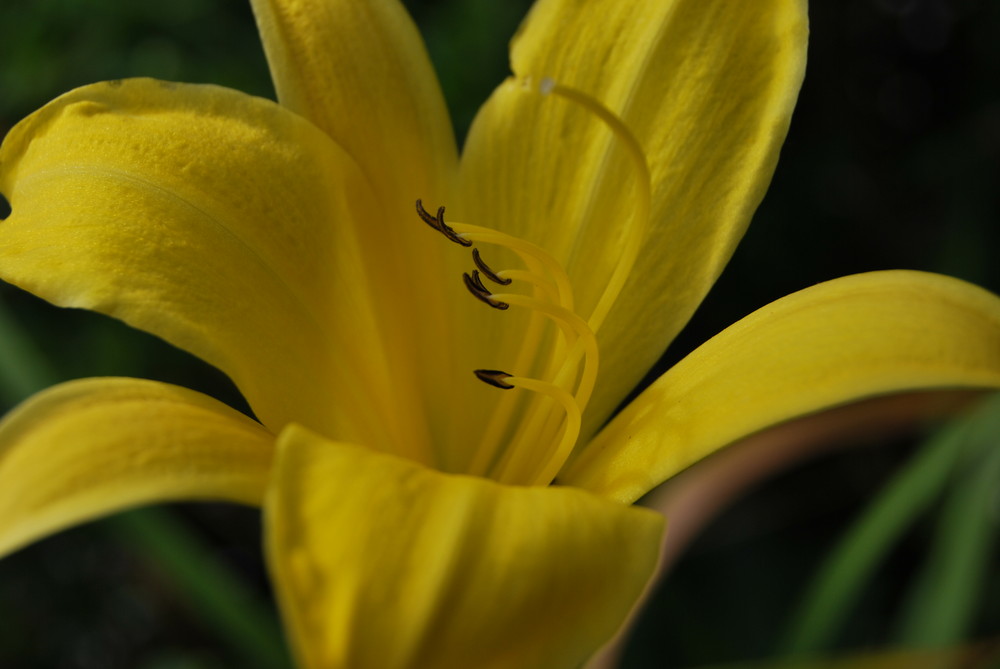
(893, 161)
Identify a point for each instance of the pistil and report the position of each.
(635, 231)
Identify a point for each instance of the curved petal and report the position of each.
(843, 340)
(222, 223)
(383, 564)
(707, 89)
(87, 448)
(359, 71)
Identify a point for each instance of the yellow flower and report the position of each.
(408, 513)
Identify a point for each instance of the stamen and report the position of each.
(581, 341)
(512, 464)
(450, 232)
(571, 324)
(494, 377)
(553, 298)
(485, 269)
(437, 222)
(527, 251)
(540, 282)
(476, 287)
(478, 283)
(526, 458)
(426, 217)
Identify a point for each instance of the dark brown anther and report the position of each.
(448, 232)
(437, 222)
(485, 269)
(475, 286)
(494, 377)
(478, 283)
(426, 217)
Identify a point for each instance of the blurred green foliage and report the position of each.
(893, 160)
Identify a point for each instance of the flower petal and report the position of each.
(706, 87)
(843, 340)
(218, 221)
(359, 71)
(88, 448)
(381, 563)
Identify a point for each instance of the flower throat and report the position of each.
(547, 431)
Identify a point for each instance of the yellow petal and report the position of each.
(359, 71)
(705, 86)
(844, 340)
(88, 448)
(218, 221)
(383, 564)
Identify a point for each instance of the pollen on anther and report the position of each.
(476, 287)
(426, 217)
(478, 283)
(493, 377)
(449, 232)
(485, 269)
(437, 222)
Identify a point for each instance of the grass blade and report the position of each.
(944, 600)
(842, 578)
(212, 593)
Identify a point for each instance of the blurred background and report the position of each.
(893, 161)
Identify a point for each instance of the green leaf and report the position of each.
(841, 580)
(23, 368)
(945, 598)
(220, 600)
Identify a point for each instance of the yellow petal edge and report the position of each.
(383, 564)
(87, 448)
(836, 342)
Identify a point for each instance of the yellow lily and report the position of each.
(410, 519)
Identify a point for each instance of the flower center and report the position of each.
(547, 432)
